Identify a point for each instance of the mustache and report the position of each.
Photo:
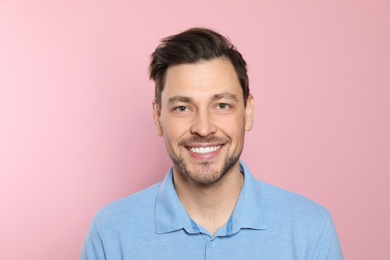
(202, 140)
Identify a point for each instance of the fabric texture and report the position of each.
(267, 223)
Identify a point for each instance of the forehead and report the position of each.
(204, 78)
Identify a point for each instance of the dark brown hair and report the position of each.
(191, 46)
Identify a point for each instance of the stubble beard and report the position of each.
(205, 175)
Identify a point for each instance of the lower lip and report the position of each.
(206, 156)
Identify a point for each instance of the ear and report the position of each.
(249, 112)
(156, 117)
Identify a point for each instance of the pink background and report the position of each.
(76, 129)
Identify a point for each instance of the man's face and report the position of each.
(203, 119)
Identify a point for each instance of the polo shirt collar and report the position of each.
(170, 213)
(249, 213)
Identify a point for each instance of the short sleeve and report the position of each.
(93, 247)
(328, 246)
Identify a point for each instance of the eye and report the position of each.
(181, 109)
(223, 106)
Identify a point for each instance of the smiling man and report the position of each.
(208, 206)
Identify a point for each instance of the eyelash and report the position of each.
(180, 108)
(221, 106)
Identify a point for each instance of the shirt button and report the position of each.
(211, 244)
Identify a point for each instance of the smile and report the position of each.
(205, 150)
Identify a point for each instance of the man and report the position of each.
(208, 206)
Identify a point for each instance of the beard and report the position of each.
(203, 173)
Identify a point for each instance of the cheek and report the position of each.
(232, 125)
(174, 127)
(236, 131)
(172, 135)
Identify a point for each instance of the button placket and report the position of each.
(210, 250)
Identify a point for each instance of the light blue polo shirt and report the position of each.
(267, 223)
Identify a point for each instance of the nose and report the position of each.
(203, 124)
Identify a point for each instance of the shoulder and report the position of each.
(289, 207)
(128, 209)
(290, 200)
(306, 222)
(280, 201)
(112, 227)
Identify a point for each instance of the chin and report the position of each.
(204, 173)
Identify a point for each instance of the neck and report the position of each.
(210, 206)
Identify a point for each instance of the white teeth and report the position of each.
(204, 150)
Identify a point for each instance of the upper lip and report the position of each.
(203, 145)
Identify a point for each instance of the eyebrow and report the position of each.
(176, 99)
(184, 99)
(225, 94)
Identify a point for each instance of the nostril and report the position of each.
(203, 128)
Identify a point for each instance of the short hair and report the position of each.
(191, 46)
